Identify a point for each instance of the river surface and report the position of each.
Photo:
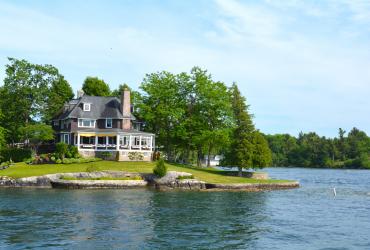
(310, 217)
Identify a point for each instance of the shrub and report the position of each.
(66, 161)
(58, 161)
(92, 169)
(106, 155)
(61, 149)
(72, 152)
(15, 154)
(160, 168)
(52, 158)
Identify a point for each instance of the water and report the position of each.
(306, 218)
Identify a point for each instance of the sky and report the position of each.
(302, 65)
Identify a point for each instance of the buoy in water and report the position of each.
(334, 192)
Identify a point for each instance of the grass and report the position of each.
(70, 178)
(209, 175)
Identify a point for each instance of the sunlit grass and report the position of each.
(209, 175)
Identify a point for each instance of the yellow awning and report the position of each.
(94, 134)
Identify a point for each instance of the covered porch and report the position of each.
(114, 142)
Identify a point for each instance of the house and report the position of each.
(103, 126)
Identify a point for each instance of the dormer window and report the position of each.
(87, 107)
(108, 123)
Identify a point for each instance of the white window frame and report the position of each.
(65, 138)
(87, 106)
(81, 120)
(106, 122)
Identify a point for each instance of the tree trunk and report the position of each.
(200, 154)
(240, 171)
(209, 155)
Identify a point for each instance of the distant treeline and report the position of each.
(350, 150)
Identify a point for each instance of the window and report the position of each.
(56, 123)
(65, 138)
(86, 106)
(108, 123)
(86, 123)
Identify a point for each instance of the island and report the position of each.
(111, 174)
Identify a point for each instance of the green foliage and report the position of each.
(105, 178)
(25, 94)
(311, 150)
(59, 93)
(188, 112)
(249, 148)
(61, 149)
(15, 154)
(58, 161)
(106, 155)
(36, 133)
(94, 86)
(92, 169)
(160, 168)
(72, 152)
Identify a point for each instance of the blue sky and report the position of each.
(303, 65)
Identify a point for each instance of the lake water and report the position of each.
(306, 218)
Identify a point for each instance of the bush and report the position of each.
(66, 161)
(92, 169)
(72, 152)
(61, 149)
(58, 161)
(15, 154)
(106, 155)
(160, 168)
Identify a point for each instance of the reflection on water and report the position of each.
(306, 218)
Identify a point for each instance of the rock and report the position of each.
(171, 181)
(254, 186)
(89, 184)
(7, 181)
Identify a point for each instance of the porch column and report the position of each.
(117, 142)
(129, 143)
(151, 143)
(96, 142)
(106, 142)
(78, 140)
(140, 142)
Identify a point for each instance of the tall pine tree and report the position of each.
(249, 148)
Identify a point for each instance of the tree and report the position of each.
(36, 134)
(248, 147)
(262, 154)
(161, 106)
(2, 133)
(94, 86)
(134, 95)
(60, 92)
(25, 94)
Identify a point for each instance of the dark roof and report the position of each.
(101, 107)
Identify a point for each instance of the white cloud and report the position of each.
(295, 77)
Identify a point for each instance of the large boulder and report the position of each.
(172, 180)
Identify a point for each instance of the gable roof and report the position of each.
(101, 107)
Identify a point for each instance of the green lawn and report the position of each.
(209, 175)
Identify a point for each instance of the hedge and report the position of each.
(15, 154)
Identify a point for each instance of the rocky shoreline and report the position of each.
(172, 181)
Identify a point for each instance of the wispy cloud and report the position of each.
(302, 65)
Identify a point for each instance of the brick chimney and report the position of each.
(126, 108)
